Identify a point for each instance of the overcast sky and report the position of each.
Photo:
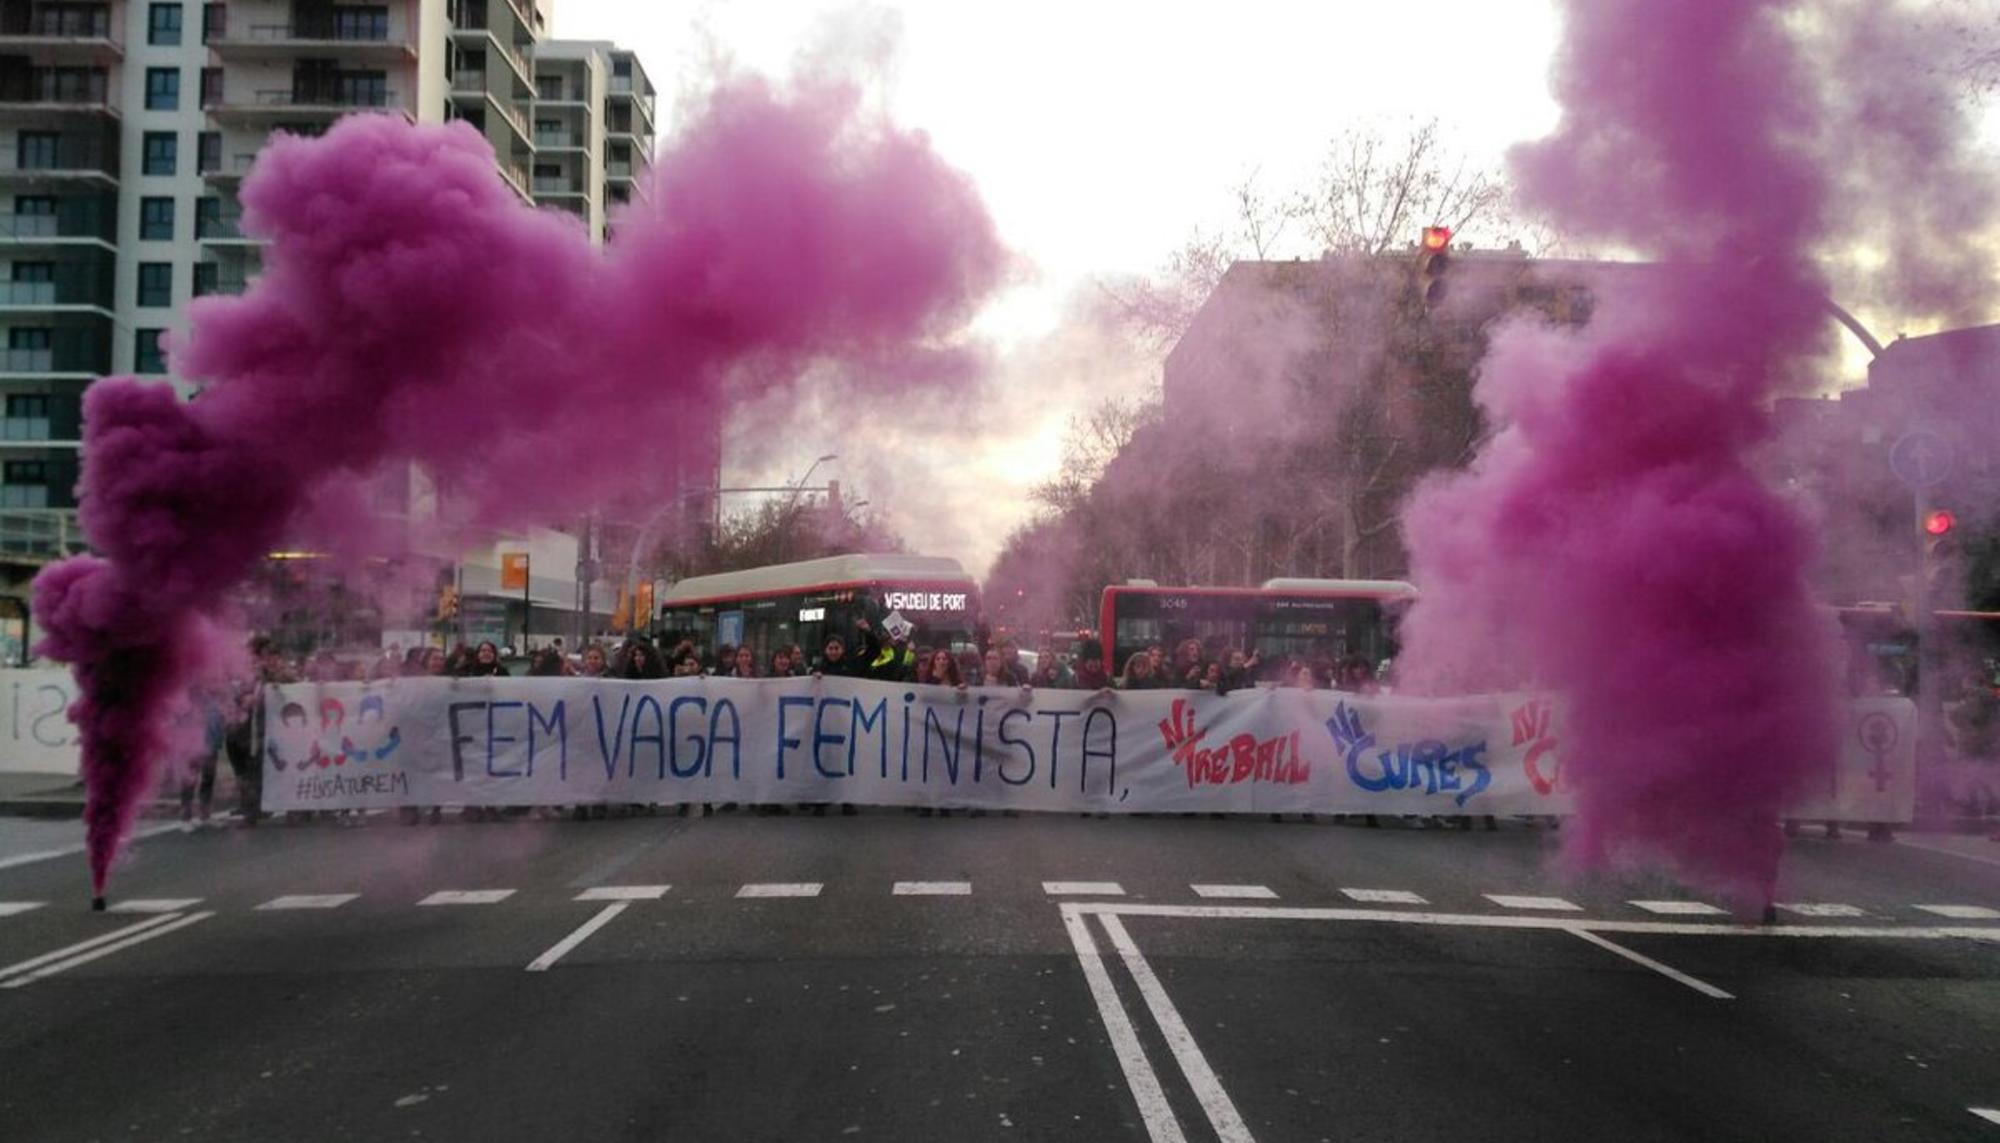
(1100, 133)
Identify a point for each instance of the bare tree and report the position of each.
(1377, 190)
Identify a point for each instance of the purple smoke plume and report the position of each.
(1612, 542)
(413, 309)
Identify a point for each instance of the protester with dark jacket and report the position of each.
(485, 663)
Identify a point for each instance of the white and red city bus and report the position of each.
(806, 602)
(1324, 620)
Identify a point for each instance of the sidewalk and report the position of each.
(56, 796)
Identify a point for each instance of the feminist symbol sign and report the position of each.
(1878, 735)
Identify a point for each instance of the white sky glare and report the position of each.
(1100, 132)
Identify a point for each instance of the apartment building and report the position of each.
(127, 127)
(593, 129)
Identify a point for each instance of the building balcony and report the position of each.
(625, 92)
(469, 91)
(66, 35)
(53, 230)
(270, 108)
(73, 162)
(222, 230)
(495, 43)
(52, 297)
(32, 529)
(216, 283)
(558, 141)
(517, 178)
(42, 364)
(254, 43)
(558, 186)
(230, 171)
(37, 97)
(19, 430)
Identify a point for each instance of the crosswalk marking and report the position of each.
(1385, 896)
(307, 901)
(1235, 892)
(1963, 912)
(467, 897)
(1681, 908)
(1809, 909)
(1550, 904)
(9, 908)
(932, 889)
(155, 905)
(782, 889)
(1083, 889)
(62, 960)
(1990, 1115)
(563, 947)
(624, 893)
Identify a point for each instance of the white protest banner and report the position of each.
(499, 742)
(36, 736)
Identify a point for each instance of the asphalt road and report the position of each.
(741, 978)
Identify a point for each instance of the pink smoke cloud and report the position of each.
(413, 310)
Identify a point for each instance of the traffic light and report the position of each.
(1433, 261)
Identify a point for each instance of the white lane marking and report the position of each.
(82, 946)
(467, 897)
(582, 934)
(307, 901)
(1963, 912)
(1385, 896)
(1503, 921)
(1154, 1110)
(1949, 852)
(1668, 971)
(72, 850)
(1989, 1114)
(1681, 908)
(782, 889)
(173, 922)
(624, 893)
(155, 905)
(1222, 1116)
(10, 908)
(932, 889)
(1808, 909)
(1552, 904)
(1235, 892)
(1083, 889)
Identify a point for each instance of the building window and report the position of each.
(34, 205)
(358, 23)
(163, 25)
(38, 150)
(162, 154)
(30, 337)
(549, 87)
(207, 275)
(34, 271)
(207, 217)
(163, 89)
(27, 405)
(156, 219)
(214, 21)
(208, 152)
(147, 355)
(156, 284)
(211, 86)
(26, 472)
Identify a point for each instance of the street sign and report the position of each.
(1921, 458)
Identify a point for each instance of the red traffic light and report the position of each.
(1436, 238)
(1939, 522)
